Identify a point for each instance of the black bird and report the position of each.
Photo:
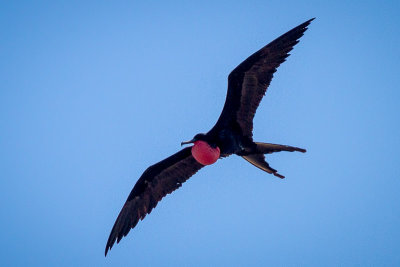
(232, 134)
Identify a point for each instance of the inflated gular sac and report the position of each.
(204, 153)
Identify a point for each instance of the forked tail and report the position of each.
(257, 158)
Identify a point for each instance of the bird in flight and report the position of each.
(232, 134)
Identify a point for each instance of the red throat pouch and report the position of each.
(204, 153)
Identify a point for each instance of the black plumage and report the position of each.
(232, 134)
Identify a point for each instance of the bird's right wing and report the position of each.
(155, 183)
(249, 81)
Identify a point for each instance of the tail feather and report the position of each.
(258, 160)
(257, 157)
(266, 148)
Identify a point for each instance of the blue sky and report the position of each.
(92, 93)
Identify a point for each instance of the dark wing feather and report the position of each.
(249, 81)
(155, 183)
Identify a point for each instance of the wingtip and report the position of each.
(309, 21)
(302, 150)
(108, 246)
(305, 24)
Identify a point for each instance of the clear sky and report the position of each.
(92, 93)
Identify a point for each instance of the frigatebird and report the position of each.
(232, 134)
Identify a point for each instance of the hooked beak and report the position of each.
(187, 142)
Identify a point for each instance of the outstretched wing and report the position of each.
(249, 81)
(155, 183)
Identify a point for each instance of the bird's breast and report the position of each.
(229, 142)
(204, 153)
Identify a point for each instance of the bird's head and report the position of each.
(203, 150)
(197, 137)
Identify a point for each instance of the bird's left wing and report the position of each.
(156, 182)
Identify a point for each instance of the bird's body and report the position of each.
(232, 134)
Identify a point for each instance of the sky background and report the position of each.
(92, 93)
